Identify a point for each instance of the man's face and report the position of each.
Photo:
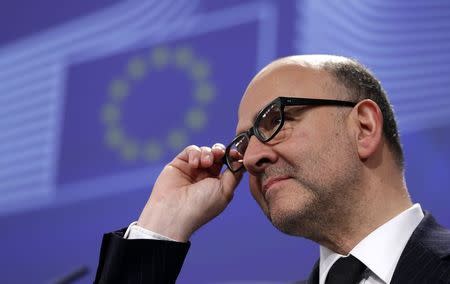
(303, 180)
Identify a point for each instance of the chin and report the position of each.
(293, 214)
(289, 220)
(289, 226)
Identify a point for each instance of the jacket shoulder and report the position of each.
(426, 257)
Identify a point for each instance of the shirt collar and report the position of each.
(381, 249)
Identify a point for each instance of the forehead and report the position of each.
(281, 81)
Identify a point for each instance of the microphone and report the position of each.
(72, 276)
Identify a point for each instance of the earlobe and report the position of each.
(369, 121)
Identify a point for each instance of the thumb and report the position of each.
(229, 182)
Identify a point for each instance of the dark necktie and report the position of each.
(346, 270)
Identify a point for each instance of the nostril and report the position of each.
(261, 162)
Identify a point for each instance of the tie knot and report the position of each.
(346, 270)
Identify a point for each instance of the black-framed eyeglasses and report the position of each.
(267, 125)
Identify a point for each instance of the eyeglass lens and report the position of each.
(269, 121)
(236, 152)
(266, 125)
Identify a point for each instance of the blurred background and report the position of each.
(96, 96)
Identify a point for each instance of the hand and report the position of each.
(189, 192)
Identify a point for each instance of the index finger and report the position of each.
(218, 151)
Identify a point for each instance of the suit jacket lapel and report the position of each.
(314, 276)
(426, 257)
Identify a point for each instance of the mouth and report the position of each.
(270, 182)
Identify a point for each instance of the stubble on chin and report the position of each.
(314, 208)
(308, 214)
(291, 209)
(291, 216)
(321, 199)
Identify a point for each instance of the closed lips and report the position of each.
(271, 181)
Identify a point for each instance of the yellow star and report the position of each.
(200, 70)
(183, 56)
(196, 119)
(136, 68)
(204, 93)
(114, 137)
(152, 151)
(160, 57)
(118, 89)
(177, 139)
(129, 150)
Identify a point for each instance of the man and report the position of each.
(318, 139)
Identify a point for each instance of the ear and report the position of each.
(369, 130)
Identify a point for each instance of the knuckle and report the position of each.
(206, 149)
(192, 148)
(218, 146)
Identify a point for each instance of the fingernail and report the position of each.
(217, 145)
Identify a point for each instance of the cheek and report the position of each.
(312, 139)
(294, 149)
(255, 188)
(307, 153)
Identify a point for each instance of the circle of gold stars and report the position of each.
(137, 68)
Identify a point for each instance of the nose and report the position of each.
(258, 156)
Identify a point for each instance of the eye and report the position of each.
(275, 121)
(294, 113)
(270, 120)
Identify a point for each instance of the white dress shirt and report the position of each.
(136, 232)
(380, 250)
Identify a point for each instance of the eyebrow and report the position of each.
(253, 121)
(242, 132)
(296, 108)
(259, 111)
(252, 124)
(255, 116)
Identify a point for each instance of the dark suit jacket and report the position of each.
(139, 261)
(425, 259)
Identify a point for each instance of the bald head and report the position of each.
(311, 61)
(288, 73)
(347, 79)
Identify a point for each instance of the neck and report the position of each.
(378, 200)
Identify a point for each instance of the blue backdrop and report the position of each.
(96, 96)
